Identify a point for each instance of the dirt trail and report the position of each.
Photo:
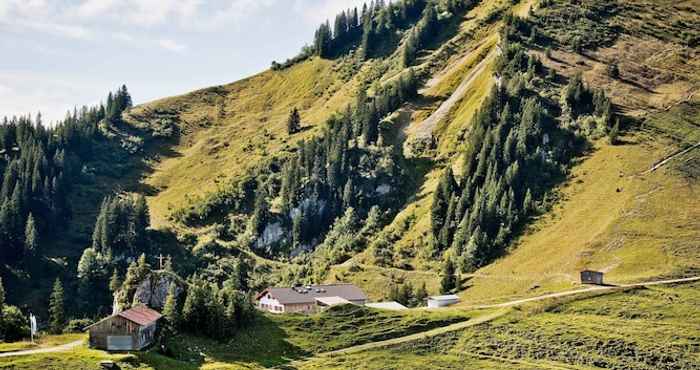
(425, 128)
(414, 337)
(61, 348)
(585, 290)
(669, 158)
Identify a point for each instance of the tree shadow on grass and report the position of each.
(263, 343)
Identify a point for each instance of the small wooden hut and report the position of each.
(130, 330)
(591, 277)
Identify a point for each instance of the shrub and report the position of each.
(77, 325)
(15, 325)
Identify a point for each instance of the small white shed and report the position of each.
(390, 305)
(442, 300)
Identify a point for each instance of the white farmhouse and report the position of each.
(310, 298)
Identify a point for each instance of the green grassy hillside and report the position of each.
(223, 132)
(648, 328)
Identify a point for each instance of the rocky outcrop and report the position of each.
(153, 290)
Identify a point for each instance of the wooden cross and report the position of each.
(160, 259)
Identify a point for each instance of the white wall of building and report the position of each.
(268, 303)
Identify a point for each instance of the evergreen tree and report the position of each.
(57, 316)
(170, 309)
(141, 220)
(293, 122)
(614, 133)
(441, 202)
(114, 282)
(31, 237)
(448, 281)
(261, 210)
(527, 201)
(408, 54)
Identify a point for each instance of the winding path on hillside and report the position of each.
(61, 348)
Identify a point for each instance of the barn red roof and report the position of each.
(141, 315)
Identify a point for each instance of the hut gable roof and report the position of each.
(141, 315)
(309, 294)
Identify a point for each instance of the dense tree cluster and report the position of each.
(38, 167)
(370, 26)
(120, 229)
(120, 234)
(407, 295)
(117, 102)
(346, 237)
(514, 151)
(210, 309)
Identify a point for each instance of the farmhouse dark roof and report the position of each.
(308, 294)
(141, 315)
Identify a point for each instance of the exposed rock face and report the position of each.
(383, 189)
(272, 234)
(153, 290)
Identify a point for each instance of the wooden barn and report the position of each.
(130, 330)
(591, 277)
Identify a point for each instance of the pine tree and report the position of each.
(88, 265)
(114, 282)
(441, 199)
(614, 133)
(141, 220)
(408, 54)
(297, 229)
(261, 210)
(527, 202)
(293, 122)
(448, 281)
(57, 316)
(349, 195)
(170, 310)
(31, 237)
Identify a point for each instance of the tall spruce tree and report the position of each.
(57, 314)
(31, 237)
(114, 282)
(170, 309)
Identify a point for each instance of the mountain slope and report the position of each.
(226, 131)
